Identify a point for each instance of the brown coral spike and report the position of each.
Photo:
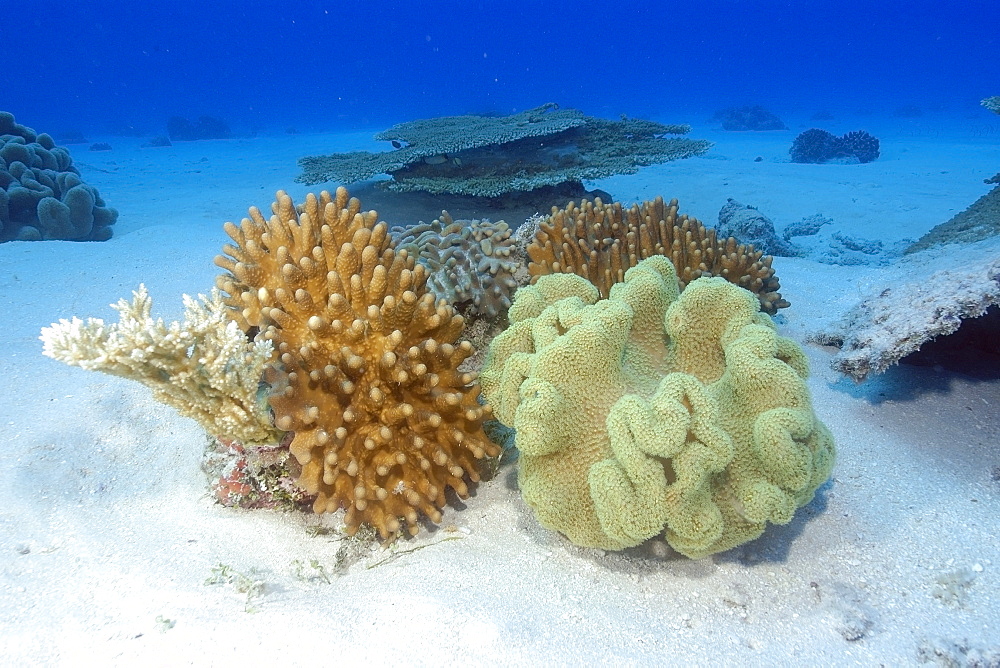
(366, 370)
(602, 241)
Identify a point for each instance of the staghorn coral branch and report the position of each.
(204, 366)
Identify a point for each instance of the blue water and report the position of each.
(105, 66)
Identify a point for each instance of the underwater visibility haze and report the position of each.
(514, 333)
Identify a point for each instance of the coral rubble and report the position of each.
(602, 241)
(255, 476)
(924, 296)
(41, 193)
(366, 370)
(491, 156)
(655, 410)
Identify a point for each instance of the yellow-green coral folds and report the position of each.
(655, 412)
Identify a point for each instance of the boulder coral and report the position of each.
(655, 411)
(42, 195)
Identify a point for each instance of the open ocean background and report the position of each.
(113, 67)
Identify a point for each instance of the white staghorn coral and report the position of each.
(204, 366)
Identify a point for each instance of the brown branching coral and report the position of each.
(366, 370)
(602, 241)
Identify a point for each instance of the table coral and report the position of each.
(655, 410)
(486, 156)
(602, 241)
(366, 370)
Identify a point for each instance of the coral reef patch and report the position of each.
(750, 118)
(206, 127)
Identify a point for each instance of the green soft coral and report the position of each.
(653, 411)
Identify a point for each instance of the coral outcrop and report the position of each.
(992, 103)
(41, 193)
(366, 361)
(487, 156)
(204, 366)
(818, 146)
(206, 127)
(602, 241)
(469, 262)
(655, 411)
(749, 226)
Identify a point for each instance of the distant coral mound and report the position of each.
(41, 193)
(206, 127)
(818, 146)
(755, 118)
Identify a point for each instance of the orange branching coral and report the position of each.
(602, 241)
(366, 371)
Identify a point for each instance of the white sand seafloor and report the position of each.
(108, 533)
